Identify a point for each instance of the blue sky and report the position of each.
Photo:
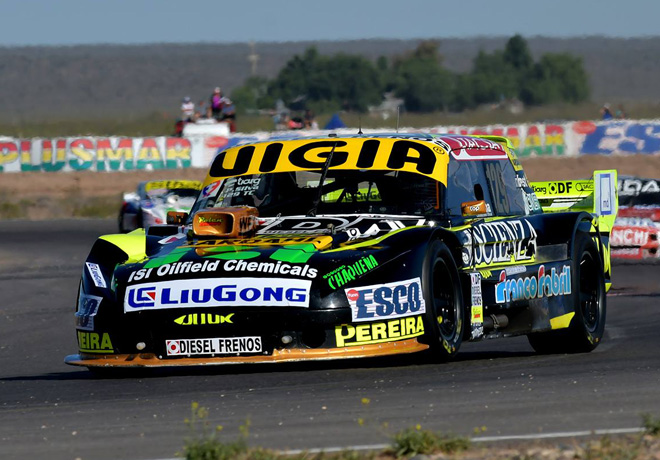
(69, 22)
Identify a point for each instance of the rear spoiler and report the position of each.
(597, 196)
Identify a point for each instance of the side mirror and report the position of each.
(473, 208)
(176, 217)
(130, 196)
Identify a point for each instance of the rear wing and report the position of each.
(597, 196)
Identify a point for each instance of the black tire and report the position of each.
(445, 314)
(588, 325)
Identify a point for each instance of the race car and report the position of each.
(636, 232)
(360, 246)
(152, 201)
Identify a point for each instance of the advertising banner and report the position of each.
(84, 153)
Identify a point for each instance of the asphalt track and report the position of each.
(50, 410)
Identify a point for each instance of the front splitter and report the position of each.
(278, 356)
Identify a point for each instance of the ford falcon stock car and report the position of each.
(359, 246)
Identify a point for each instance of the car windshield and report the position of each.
(343, 192)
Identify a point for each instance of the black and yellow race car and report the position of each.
(329, 247)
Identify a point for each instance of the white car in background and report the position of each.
(151, 202)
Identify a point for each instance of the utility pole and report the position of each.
(253, 57)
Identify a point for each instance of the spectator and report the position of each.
(310, 121)
(229, 114)
(620, 113)
(606, 113)
(201, 110)
(187, 110)
(178, 128)
(296, 123)
(215, 104)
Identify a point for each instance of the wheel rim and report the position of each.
(444, 300)
(589, 293)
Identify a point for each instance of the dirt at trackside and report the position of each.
(42, 195)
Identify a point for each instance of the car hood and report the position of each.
(278, 270)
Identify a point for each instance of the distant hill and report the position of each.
(134, 80)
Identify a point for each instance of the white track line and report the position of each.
(564, 434)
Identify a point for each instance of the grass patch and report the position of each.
(415, 441)
(12, 210)
(651, 425)
(205, 443)
(99, 207)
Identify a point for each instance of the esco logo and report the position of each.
(392, 300)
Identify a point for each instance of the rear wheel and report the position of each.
(588, 324)
(445, 317)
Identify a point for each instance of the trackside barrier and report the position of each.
(84, 153)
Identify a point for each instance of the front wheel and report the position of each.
(586, 329)
(445, 317)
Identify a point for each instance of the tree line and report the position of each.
(351, 82)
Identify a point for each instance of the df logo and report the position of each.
(560, 187)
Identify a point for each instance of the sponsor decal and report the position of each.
(392, 300)
(584, 186)
(515, 269)
(201, 319)
(541, 190)
(531, 202)
(635, 187)
(349, 224)
(88, 305)
(211, 292)
(499, 242)
(636, 222)
(477, 308)
(384, 154)
(521, 182)
(172, 185)
(211, 189)
(241, 187)
(605, 194)
(630, 236)
(563, 188)
(93, 342)
(172, 239)
(470, 149)
(213, 346)
(207, 220)
(347, 273)
(348, 335)
(534, 287)
(176, 268)
(628, 253)
(277, 268)
(97, 276)
(318, 241)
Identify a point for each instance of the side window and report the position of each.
(466, 181)
(508, 198)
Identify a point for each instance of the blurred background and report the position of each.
(124, 68)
